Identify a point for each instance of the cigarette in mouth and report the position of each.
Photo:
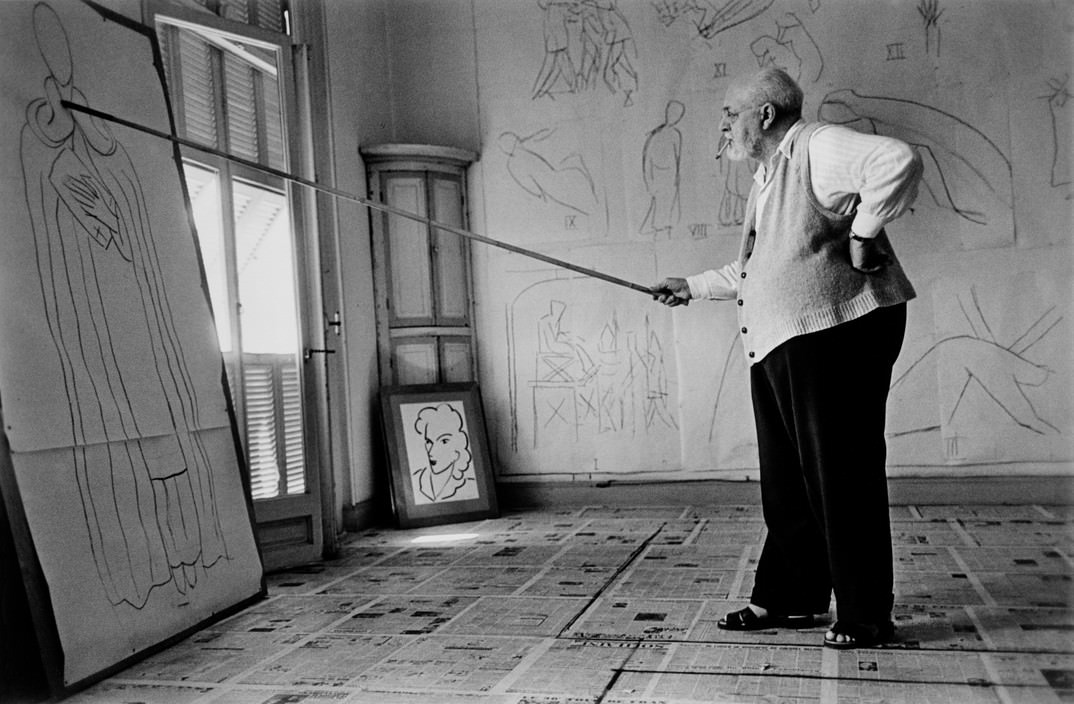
(724, 144)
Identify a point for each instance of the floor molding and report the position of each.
(1046, 490)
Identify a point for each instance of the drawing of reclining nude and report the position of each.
(964, 170)
(567, 183)
(147, 493)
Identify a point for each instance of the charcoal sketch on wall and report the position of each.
(661, 164)
(706, 19)
(965, 171)
(566, 183)
(576, 374)
(587, 44)
(1058, 97)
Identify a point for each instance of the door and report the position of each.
(233, 91)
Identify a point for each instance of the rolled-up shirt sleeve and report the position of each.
(716, 284)
(884, 172)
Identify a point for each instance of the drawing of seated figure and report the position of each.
(146, 486)
(561, 356)
(448, 473)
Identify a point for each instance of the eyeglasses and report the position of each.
(733, 116)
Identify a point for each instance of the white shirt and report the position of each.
(843, 165)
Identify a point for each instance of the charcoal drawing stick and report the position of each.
(375, 205)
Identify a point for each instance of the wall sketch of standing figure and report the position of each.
(617, 69)
(147, 493)
(586, 43)
(557, 74)
(661, 158)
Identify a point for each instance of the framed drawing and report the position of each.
(439, 463)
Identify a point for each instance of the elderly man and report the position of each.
(822, 312)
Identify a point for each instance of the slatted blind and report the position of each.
(241, 108)
(213, 87)
(261, 448)
(274, 425)
(294, 455)
(267, 14)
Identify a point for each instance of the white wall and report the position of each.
(983, 384)
(355, 42)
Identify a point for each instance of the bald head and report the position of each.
(775, 86)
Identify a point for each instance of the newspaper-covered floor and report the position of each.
(618, 605)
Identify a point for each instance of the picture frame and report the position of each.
(439, 465)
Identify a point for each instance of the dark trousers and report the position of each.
(819, 402)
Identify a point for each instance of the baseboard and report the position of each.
(364, 514)
(1043, 490)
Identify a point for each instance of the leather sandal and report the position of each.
(859, 635)
(746, 620)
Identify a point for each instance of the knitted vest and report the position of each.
(796, 272)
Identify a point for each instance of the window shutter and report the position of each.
(198, 89)
(261, 428)
(275, 149)
(270, 15)
(294, 453)
(241, 108)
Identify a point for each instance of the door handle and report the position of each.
(307, 355)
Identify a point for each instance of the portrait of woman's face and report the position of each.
(446, 442)
(444, 447)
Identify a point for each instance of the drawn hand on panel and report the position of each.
(146, 492)
(964, 170)
(568, 183)
(661, 158)
(1000, 372)
(100, 212)
(448, 473)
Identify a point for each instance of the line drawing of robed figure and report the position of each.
(448, 474)
(146, 491)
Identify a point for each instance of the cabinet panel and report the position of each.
(414, 360)
(453, 304)
(409, 268)
(456, 359)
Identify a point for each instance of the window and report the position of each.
(230, 85)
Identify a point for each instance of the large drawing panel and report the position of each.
(122, 446)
